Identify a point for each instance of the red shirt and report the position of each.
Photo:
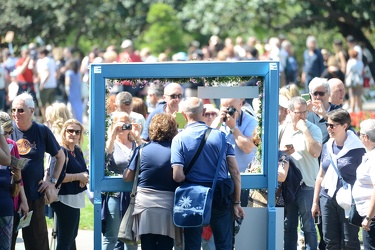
(27, 75)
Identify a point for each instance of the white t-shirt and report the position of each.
(364, 184)
(43, 66)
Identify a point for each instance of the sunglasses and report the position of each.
(127, 103)
(175, 96)
(238, 226)
(331, 125)
(72, 131)
(210, 114)
(320, 93)
(8, 132)
(20, 111)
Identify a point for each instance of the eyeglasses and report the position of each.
(127, 103)
(320, 93)
(331, 125)
(175, 96)
(210, 114)
(300, 113)
(72, 131)
(8, 132)
(20, 111)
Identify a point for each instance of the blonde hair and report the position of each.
(56, 115)
(64, 141)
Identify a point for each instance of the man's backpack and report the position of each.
(292, 183)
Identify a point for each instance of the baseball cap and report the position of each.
(126, 44)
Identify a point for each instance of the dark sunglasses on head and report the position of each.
(174, 96)
(320, 93)
(127, 103)
(72, 131)
(18, 111)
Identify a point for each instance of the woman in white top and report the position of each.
(364, 186)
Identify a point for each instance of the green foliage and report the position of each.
(164, 32)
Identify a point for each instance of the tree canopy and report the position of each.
(93, 22)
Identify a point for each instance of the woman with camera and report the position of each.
(123, 137)
(364, 187)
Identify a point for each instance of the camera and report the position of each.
(230, 111)
(127, 126)
(33, 54)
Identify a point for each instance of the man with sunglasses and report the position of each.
(319, 104)
(172, 98)
(33, 141)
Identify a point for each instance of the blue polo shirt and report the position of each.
(158, 110)
(185, 145)
(246, 124)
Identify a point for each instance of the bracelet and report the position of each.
(236, 203)
(17, 182)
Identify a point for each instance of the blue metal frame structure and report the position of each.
(100, 72)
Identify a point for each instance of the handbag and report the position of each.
(125, 233)
(354, 218)
(52, 193)
(344, 194)
(193, 202)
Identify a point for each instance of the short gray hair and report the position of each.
(156, 88)
(296, 100)
(27, 98)
(368, 128)
(123, 97)
(319, 82)
(191, 107)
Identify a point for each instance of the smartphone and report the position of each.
(306, 97)
(289, 146)
(317, 219)
(180, 119)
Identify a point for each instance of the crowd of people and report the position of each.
(45, 91)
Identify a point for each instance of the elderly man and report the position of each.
(172, 98)
(239, 126)
(319, 104)
(305, 139)
(124, 102)
(337, 87)
(33, 140)
(154, 95)
(226, 204)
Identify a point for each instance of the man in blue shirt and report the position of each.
(238, 127)
(183, 149)
(172, 98)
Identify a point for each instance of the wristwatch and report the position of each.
(232, 129)
(53, 180)
(368, 218)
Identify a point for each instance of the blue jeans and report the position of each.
(2, 99)
(222, 229)
(208, 244)
(337, 232)
(369, 237)
(67, 225)
(113, 220)
(300, 207)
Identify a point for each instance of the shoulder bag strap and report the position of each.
(135, 183)
(208, 131)
(344, 183)
(222, 152)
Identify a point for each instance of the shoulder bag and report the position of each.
(193, 202)
(125, 233)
